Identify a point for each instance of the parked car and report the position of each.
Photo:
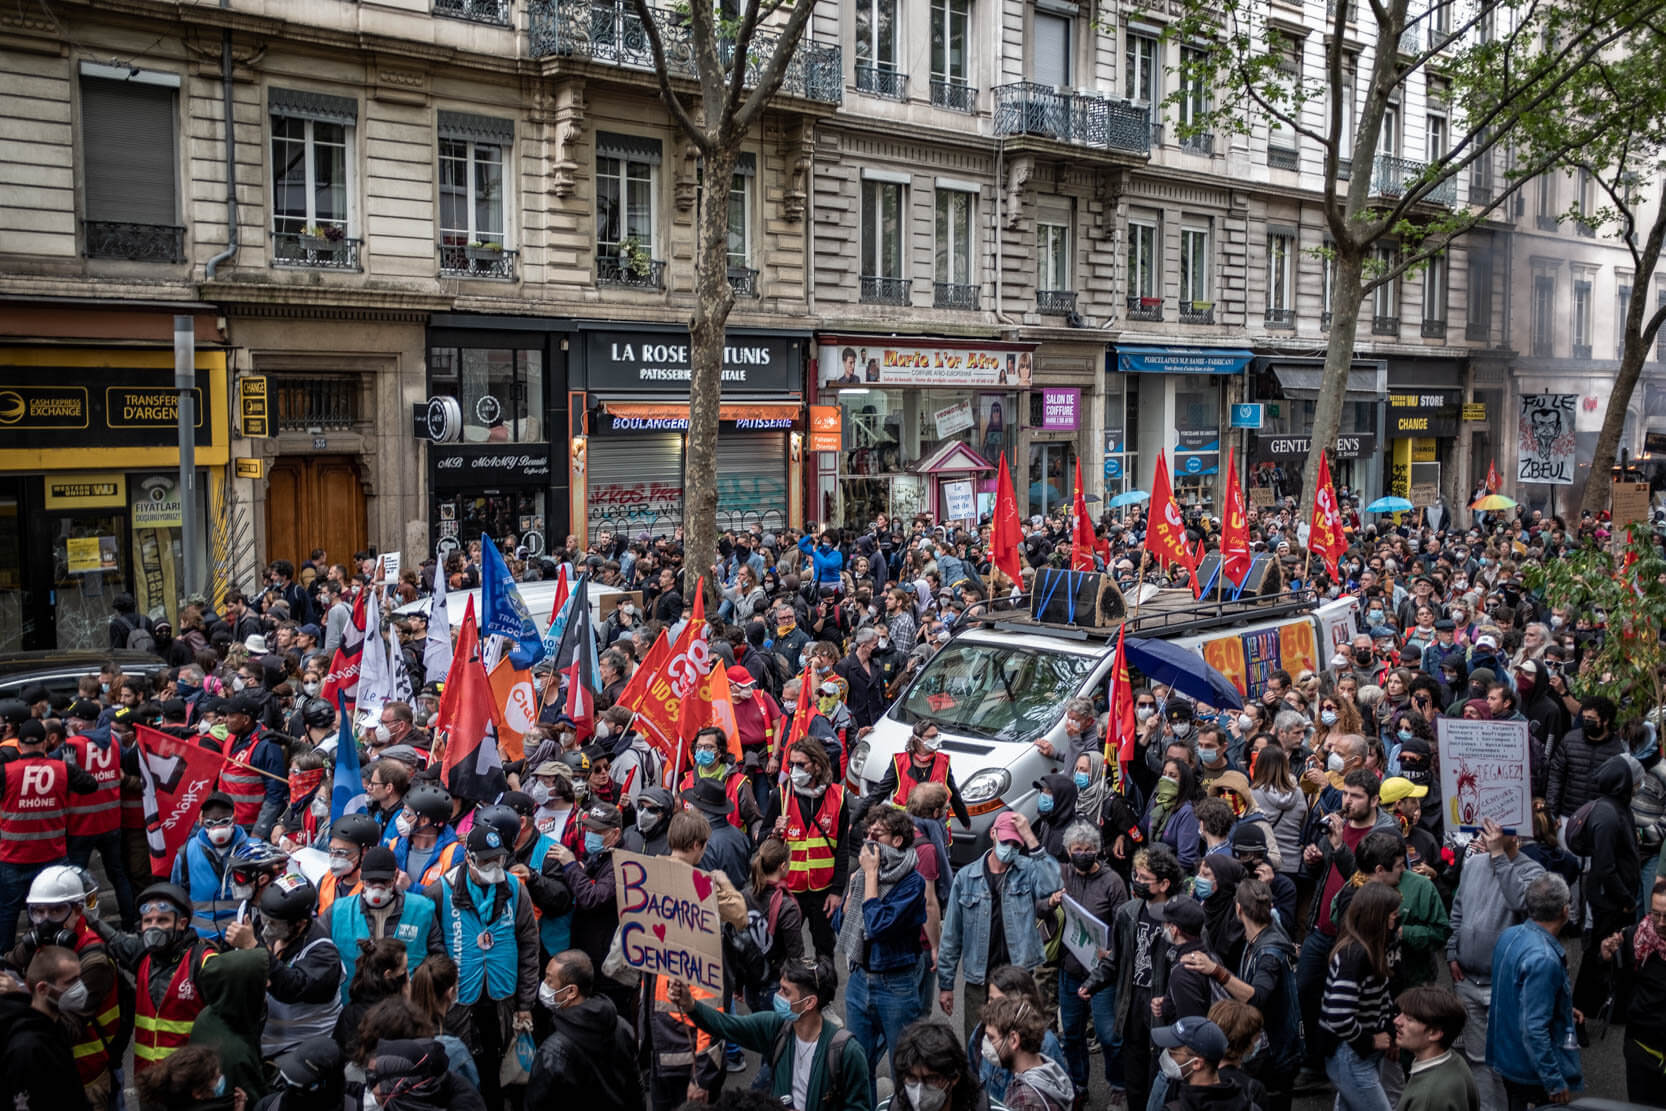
(60, 671)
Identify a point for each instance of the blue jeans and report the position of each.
(108, 846)
(14, 891)
(881, 1004)
(1311, 966)
(1073, 1017)
(1358, 1082)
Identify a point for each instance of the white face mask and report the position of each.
(239, 683)
(378, 897)
(1335, 763)
(1182, 728)
(1245, 723)
(341, 866)
(1144, 712)
(924, 1097)
(312, 687)
(242, 891)
(488, 874)
(990, 1052)
(384, 735)
(801, 777)
(320, 808)
(220, 836)
(404, 824)
(540, 792)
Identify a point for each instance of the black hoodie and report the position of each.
(1050, 827)
(1616, 869)
(36, 1068)
(1210, 1097)
(588, 1060)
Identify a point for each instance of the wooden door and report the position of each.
(314, 502)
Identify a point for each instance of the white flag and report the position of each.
(436, 650)
(375, 676)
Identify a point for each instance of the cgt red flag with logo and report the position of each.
(177, 775)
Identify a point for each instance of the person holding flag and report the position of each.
(714, 760)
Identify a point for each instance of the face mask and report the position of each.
(1182, 728)
(647, 818)
(593, 842)
(827, 703)
(884, 646)
(1082, 780)
(74, 999)
(801, 777)
(1005, 851)
(784, 1009)
(1328, 716)
(219, 731)
(1083, 862)
(705, 758)
(242, 891)
(1208, 755)
(156, 938)
(540, 792)
(320, 808)
(239, 683)
(1362, 656)
(932, 743)
(1334, 763)
(924, 1097)
(1202, 888)
(1557, 622)
(383, 734)
(311, 688)
(104, 688)
(1171, 1068)
(273, 932)
(1245, 723)
(1044, 803)
(342, 865)
(547, 996)
(220, 837)
(1404, 735)
(1375, 617)
(404, 824)
(488, 874)
(1144, 712)
(378, 897)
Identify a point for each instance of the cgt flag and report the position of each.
(177, 775)
(1235, 550)
(1006, 534)
(1081, 531)
(1325, 533)
(631, 697)
(1165, 535)
(663, 702)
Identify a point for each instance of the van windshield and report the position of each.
(994, 692)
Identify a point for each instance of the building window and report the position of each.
(1544, 214)
(1281, 280)
(1385, 299)
(1388, 139)
(1145, 268)
(740, 221)
(471, 193)
(627, 167)
(1194, 98)
(882, 243)
(1622, 311)
(1435, 138)
(1544, 314)
(1587, 203)
(1143, 77)
(1582, 319)
(876, 45)
(951, 29)
(1051, 55)
(129, 164)
(956, 285)
(1053, 252)
(1327, 284)
(1435, 282)
(311, 186)
(1194, 270)
(500, 391)
(1347, 94)
(1478, 326)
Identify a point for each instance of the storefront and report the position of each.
(496, 468)
(1278, 462)
(89, 498)
(627, 466)
(1288, 389)
(1423, 417)
(1170, 400)
(923, 423)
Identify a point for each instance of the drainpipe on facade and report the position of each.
(231, 156)
(1000, 170)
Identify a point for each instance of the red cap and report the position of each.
(740, 677)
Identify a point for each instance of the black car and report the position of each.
(60, 672)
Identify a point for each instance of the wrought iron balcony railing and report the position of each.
(475, 11)
(1197, 312)
(956, 95)
(459, 260)
(1281, 318)
(1581, 350)
(1203, 143)
(1055, 302)
(954, 295)
(1145, 308)
(882, 81)
(1026, 108)
(744, 281)
(609, 31)
(316, 404)
(314, 252)
(1392, 176)
(885, 291)
(1478, 331)
(1434, 329)
(1546, 222)
(1282, 158)
(133, 242)
(632, 272)
(1385, 325)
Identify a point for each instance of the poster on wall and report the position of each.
(879, 361)
(952, 419)
(1484, 773)
(993, 420)
(1545, 453)
(958, 502)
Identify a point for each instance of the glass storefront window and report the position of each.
(500, 390)
(1197, 417)
(1052, 476)
(88, 557)
(11, 569)
(1122, 433)
(513, 518)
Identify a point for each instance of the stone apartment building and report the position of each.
(458, 277)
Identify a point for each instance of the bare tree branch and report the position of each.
(656, 47)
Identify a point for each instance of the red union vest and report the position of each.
(100, 1029)
(34, 811)
(812, 846)
(99, 812)
(159, 1030)
(731, 787)
(906, 783)
(245, 787)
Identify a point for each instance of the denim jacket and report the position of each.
(1031, 879)
(1530, 1023)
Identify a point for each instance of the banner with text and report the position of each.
(1484, 773)
(668, 922)
(1546, 451)
(879, 361)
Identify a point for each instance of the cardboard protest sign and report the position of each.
(1484, 773)
(1084, 935)
(668, 922)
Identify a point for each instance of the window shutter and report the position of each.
(128, 149)
(1051, 60)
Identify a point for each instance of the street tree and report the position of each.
(740, 52)
(1496, 64)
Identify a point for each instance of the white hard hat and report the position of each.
(61, 883)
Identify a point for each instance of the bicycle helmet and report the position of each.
(501, 818)
(318, 714)
(289, 898)
(255, 855)
(358, 829)
(430, 801)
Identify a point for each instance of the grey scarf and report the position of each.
(895, 865)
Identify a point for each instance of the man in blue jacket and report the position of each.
(826, 558)
(879, 934)
(202, 867)
(1530, 1028)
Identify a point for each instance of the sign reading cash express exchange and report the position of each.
(106, 408)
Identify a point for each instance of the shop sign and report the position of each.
(157, 504)
(90, 555)
(1060, 409)
(1196, 463)
(1348, 446)
(443, 420)
(109, 407)
(1197, 439)
(249, 468)
(87, 490)
(826, 433)
(1247, 415)
(877, 361)
(475, 466)
(254, 413)
(1475, 411)
(1422, 413)
(1179, 360)
(953, 419)
(661, 361)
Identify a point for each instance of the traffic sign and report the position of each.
(1247, 414)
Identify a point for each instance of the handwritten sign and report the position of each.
(668, 922)
(1545, 438)
(1484, 773)
(958, 503)
(1084, 935)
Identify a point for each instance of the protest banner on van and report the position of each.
(668, 922)
(1484, 773)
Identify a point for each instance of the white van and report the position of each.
(1002, 683)
(539, 598)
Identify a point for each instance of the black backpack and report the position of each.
(835, 1060)
(1577, 834)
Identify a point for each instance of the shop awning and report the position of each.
(666, 414)
(1135, 359)
(1302, 382)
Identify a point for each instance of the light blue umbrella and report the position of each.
(1128, 497)
(1389, 505)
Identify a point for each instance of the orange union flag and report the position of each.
(1325, 533)
(1165, 535)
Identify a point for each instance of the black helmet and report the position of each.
(170, 893)
(289, 898)
(359, 829)
(429, 800)
(576, 760)
(318, 714)
(501, 818)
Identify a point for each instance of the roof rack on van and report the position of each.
(1169, 613)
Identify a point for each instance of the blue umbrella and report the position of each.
(1389, 505)
(1183, 670)
(1128, 497)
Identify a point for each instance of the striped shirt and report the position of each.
(1356, 1005)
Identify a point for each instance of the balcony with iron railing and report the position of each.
(744, 281)
(954, 295)
(1584, 229)
(1282, 319)
(1283, 158)
(1055, 302)
(885, 291)
(1541, 348)
(1546, 222)
(625, 269)
(1042, 112)
(1197, 312)
(881, 81)
(321, 403)
(1385, 325)
(611, 33)
(1199, 143)
(305, 251)
(132, 242)
(477, 260)
(954, 95)
(1478, 331)
(475, 11)
(1434, 329)
(1581, 350)
(1149, 309)
(1393, 176)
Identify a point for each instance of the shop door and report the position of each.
(314, 502)
(89, 562)
(752, 481)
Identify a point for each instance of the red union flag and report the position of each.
(1235, 550)
(664, 703)
(1165, 534)
(1325, 533)
(177, 775)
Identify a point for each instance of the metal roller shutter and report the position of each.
(751, 480)
(636, 483)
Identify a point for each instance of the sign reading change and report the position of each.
(668, 922)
